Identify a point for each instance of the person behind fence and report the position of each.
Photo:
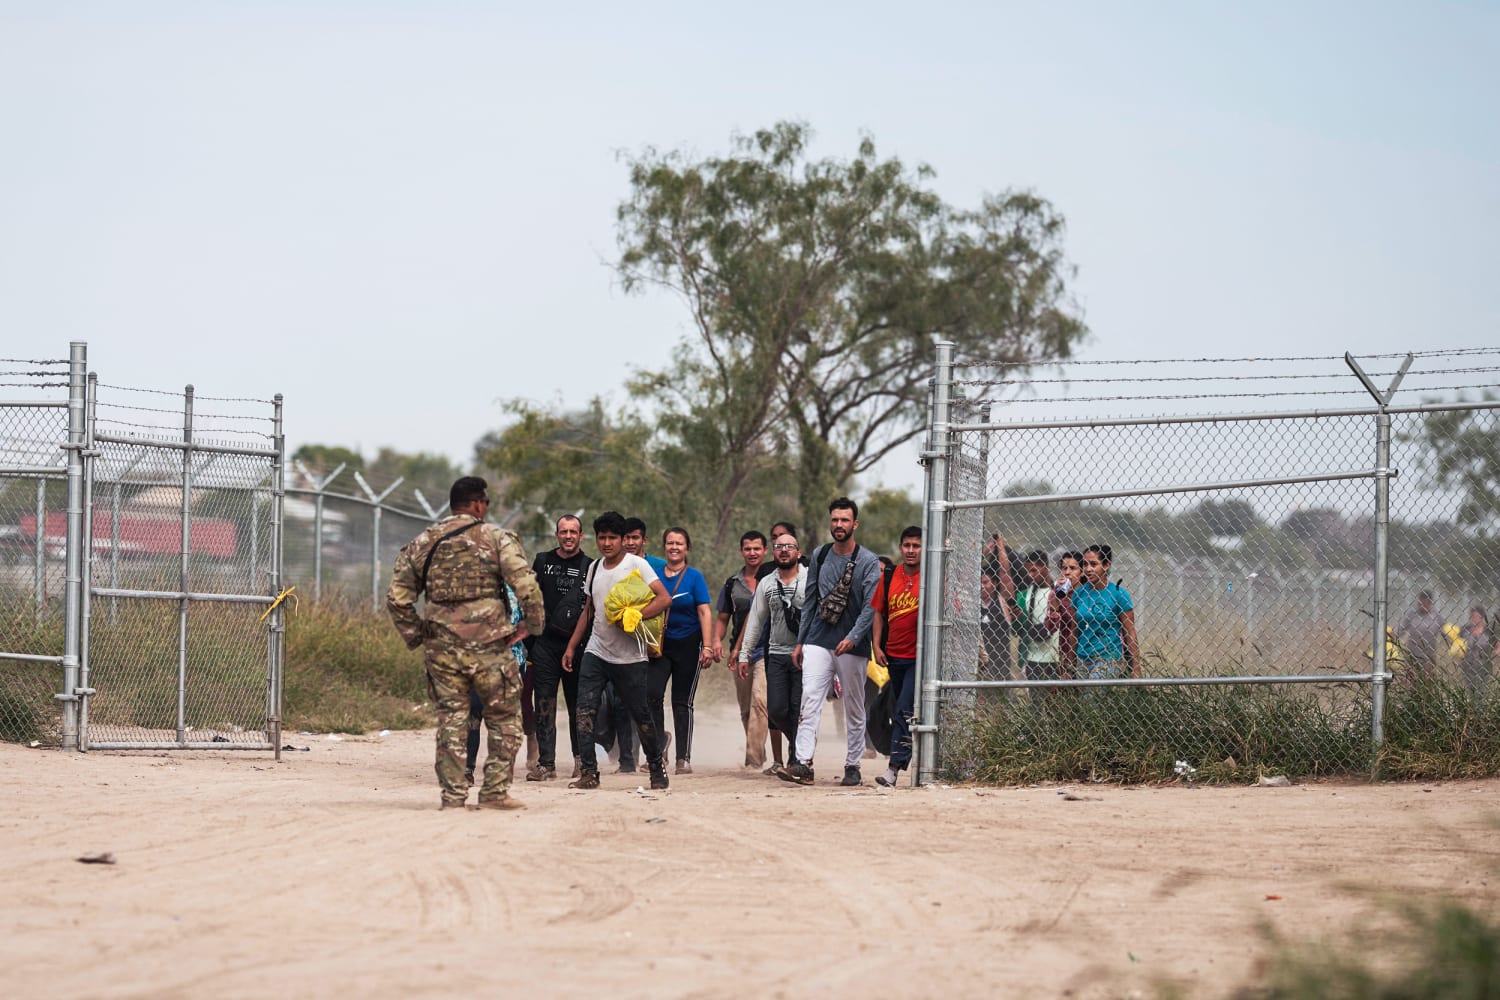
(686, 647)
(772, 624)
(834, 641)
(1047, 630)
(1476, 646)
(1419, 633)
(998, 586)
(614, 654)
(1106, 621)
(462, 565)
(559, 572)
(895, 642)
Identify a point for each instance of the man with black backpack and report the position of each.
(833, 642)
(560, 573)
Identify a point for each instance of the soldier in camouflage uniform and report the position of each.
(463, 564)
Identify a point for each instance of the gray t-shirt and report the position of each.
(612, 643)
(767, 610)
(854, 625)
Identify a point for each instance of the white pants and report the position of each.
(819, 668)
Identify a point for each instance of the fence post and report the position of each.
(39, 571)
(277, 651)
(1383, 476)
(73, 587)
(375, 500)
(86, 586)
(931, 601)
(318, 488)
(185, 560)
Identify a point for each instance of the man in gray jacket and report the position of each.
(834, 640)
(775, 614)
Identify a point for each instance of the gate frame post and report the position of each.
(932, 590)
(73, 587)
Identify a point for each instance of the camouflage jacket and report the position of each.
(464, 586)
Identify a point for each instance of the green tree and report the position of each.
(552, 463)
(815, 290)
(1463, 454)
(322, 459)
(883, 514)
(432, 474)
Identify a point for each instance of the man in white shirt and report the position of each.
(613, 655)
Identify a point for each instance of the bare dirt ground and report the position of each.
(333, 873)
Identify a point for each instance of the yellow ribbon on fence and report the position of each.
(279, 598)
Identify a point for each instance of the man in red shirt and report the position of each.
(895, 645)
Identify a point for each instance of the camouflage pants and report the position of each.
(492, 673)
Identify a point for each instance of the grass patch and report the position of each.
(347, 671)
(1436, 951)
(1224, 733)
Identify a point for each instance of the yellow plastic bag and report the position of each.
(1457, 644)
(623, 605)
(876, 672)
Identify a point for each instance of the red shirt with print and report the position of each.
(900, 613)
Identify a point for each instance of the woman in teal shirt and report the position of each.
(1106, 621)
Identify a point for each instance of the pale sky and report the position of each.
(401, 214)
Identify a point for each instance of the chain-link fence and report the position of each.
(34, 468)
(142, 556)
(1138, 596)
(185, 501)
(360, 534)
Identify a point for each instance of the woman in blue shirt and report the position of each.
(1106, 621)
(684, 648)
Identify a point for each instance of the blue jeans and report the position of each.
(904, 676)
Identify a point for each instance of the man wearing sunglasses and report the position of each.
(772, 623)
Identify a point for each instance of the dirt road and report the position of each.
(334, 874)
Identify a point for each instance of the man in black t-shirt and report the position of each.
(559, 572)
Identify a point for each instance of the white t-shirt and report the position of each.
(612, 643)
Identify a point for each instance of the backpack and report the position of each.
(569, 608)
(832, 605)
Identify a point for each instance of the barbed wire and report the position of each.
(33, 361)
(1431, 373)
(1047, 362)
(1212, 395)
(182, 395)
(34, 385)
(197, 414)
(166, 430)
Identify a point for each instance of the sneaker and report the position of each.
(852, 777)
(774, 768)
(541, 774)
(683, 767)
(577, 766)
(797, 773)
(469, 776)
(587, 779)
(622, 769)
(503, 802)
(659, 779)
(888, 779)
